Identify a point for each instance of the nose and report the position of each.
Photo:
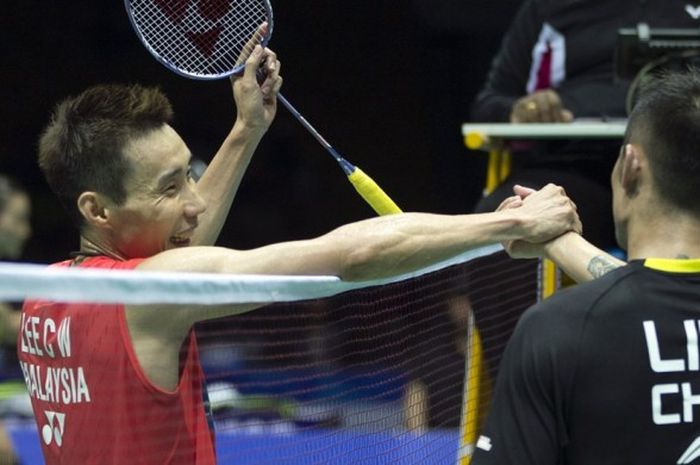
(194, 204)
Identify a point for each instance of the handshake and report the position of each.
(552, 229)
(548, 214)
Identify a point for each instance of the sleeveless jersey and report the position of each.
(93, 403)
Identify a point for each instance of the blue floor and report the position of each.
(337, 447)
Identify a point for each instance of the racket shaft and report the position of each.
(365, 186)
(372, 193)
(307, 125)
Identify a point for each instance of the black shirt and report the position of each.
(607, 372)
(579, 37)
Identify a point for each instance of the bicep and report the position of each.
(314, 257)
(300, 257)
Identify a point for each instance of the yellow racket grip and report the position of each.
(372, 193)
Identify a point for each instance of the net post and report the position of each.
(498, 166)
(473, 397)
(549, 279)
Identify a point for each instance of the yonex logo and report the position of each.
(691, 453)
(210, 10)
(53, 431)
(484, 443)
(693, 11)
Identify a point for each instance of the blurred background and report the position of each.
(388, 83)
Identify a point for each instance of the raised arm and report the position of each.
(256, 105)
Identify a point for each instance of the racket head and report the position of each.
(201, 39)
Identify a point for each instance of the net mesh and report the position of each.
(199, 38)
(373, 375)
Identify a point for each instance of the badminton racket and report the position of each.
(211, 39)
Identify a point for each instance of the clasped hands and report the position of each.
(550, 214)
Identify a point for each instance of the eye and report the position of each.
(171, 189)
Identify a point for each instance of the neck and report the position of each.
(664, 236)
(91, 246)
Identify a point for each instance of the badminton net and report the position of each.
(390, 371)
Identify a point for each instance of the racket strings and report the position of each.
(200, 38)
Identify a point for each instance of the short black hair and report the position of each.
(665, 121)
(81, 148)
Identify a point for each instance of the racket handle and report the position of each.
(372, 193)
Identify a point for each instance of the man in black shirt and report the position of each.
(555, 64)
(608, 372)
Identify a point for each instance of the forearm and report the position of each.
(219, 183)
(398, 244)
(580, 259)
(381, 247)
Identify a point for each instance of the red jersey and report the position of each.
(93, 403)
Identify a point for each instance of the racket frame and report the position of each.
(201, 77)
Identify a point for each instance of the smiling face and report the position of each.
(162, 205)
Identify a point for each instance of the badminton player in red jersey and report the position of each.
(116, 384)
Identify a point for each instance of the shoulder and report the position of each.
(110, 263)
(562, 317)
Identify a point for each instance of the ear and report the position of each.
(94, 209)
(631, 168)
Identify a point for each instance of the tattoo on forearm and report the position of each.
(600, 265)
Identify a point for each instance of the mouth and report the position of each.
(180, 241)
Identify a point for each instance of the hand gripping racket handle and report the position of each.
(364, 185)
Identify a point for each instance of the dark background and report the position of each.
(388, 83)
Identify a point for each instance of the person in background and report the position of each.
(15, 211)
(15, 230)
(433, 396)
(555, 65)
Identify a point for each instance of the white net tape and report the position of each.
(324, 375)
(19, 281)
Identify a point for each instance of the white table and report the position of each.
(494, 137)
